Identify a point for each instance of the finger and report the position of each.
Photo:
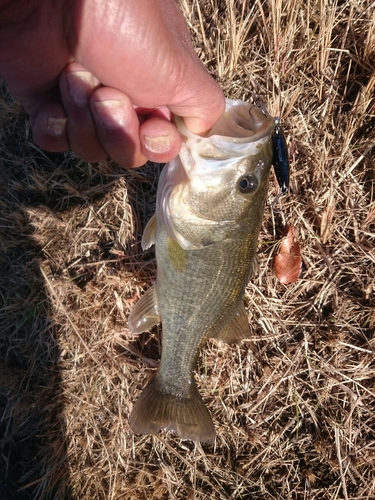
(201, 104)
(159, 112)
(49, 128)
(205, 114)
(160, 140)
(77, 86)
(117, 125)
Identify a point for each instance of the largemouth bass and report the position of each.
(209, 209)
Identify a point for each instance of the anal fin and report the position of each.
(145, 313)
(236, 329)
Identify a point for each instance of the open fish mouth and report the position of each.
(241, 132)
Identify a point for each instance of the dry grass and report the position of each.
(293, 406)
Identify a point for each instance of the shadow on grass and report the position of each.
(33, 434)
(36, 190)
(32, 427)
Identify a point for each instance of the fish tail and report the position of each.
(158, 408)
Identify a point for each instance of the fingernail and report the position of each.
(158, 144)
(111, 113)
(80, 86)
(56, 126)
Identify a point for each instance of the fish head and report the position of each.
(218, 184)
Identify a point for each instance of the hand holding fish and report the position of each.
(103, 77)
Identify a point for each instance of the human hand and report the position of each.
(104, 77)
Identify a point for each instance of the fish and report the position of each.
(209, 209)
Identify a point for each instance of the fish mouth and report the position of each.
(240, 123)
(240, 133)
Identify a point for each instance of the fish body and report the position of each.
(209, 210)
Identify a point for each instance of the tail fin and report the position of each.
(157, 409)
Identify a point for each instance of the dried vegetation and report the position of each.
(294, 405)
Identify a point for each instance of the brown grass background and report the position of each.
(294, 405)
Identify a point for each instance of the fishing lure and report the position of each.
(280, 156)
(280, 159)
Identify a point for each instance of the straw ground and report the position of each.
(294, 405)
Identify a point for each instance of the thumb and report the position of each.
(201, 101)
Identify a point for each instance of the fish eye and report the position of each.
(247, 184)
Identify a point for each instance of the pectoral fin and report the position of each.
(237, 329)
(145, 313)
(149, 234)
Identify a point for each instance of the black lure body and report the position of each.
(280, 157)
